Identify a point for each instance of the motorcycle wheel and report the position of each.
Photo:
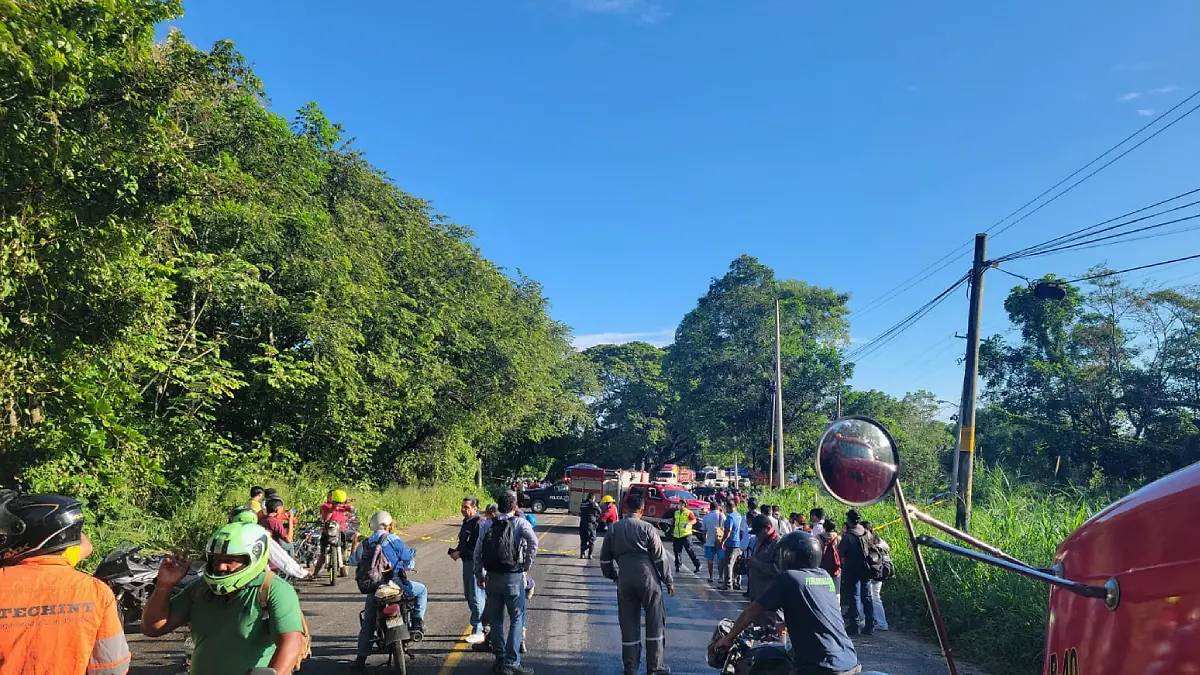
(399, 663)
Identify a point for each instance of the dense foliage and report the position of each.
(194, 289)
(1102, 386)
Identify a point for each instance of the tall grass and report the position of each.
(995, 618)
(191, 522)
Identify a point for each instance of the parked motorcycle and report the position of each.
(131, 576)
(394, 632)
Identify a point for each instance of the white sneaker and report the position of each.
(475, 638)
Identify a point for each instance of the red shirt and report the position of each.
(336, 512)
(610, 514)
(274, 526)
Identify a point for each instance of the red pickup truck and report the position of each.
(661, 499)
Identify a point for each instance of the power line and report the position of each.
(1094, 242)
(950, 257)
(1131, 269)
(1094, 229)
(1111, 161)
(907, 322)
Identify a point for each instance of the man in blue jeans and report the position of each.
(504, 552)
(856, 581)
(468, 535)
(399, 557)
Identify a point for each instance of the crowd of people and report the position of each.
(243, 613)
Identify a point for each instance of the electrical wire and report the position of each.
(907, 322)
(1113, 160)
(1095, 229)
(1085, 243)
(952, 256)
(1131, 269)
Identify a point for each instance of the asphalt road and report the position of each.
(572, 621)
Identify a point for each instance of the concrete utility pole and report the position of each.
(779, 402)
(966, 413)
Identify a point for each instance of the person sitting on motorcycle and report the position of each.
(224, 606)
(279, 523)
(337, 508)
(804, 591)
(398, 557)
(257, 494)
(278, 558)
(41, 541)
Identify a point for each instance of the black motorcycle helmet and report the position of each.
(799, 550)
(38, 524)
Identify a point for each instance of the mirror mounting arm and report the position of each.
(1076, 587)
(963, 536)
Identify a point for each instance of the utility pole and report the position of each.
(839, 405)
(966, 413)
(779, 402)
(771, 445)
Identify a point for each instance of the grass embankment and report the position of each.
(996, 618)
(191, 524)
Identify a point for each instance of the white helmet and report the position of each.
(380, 520)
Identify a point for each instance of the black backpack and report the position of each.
(877, 564)
(499, 551)
(372, 570)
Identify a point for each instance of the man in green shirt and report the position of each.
(225, 607)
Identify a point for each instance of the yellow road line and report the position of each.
(455, 654)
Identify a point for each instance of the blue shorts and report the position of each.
(710, 552)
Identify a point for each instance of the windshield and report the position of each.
(679, 494)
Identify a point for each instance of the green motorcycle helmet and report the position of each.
(249, 541)
(243, 514)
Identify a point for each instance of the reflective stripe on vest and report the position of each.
(683, 527)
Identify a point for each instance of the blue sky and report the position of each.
(623, 152)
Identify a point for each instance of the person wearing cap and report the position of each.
(55, 619)
(398, 557)
(855, 581)
(804, 592)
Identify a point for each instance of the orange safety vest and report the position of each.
(55, 619)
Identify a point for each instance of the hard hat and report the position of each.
(607, 499)
(338, 496)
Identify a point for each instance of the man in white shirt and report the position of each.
(816, 519)
(712, 522)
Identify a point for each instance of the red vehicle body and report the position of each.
(1148, 543)
(853, 461)
(661, 498)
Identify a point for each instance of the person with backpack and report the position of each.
(831, 560)
(856, 577)
(383, 557)
(877, 584)
(634, 558)
(241, 615)
(504, 553)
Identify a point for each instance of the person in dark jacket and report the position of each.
(589, 517)
(855, 579)
(468, 534)
(762, 565)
